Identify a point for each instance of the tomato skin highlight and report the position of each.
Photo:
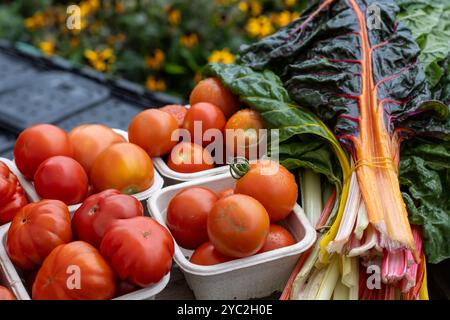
(96, 277)
(278, 238)
(187, 216)
(37, 144)
(36, 230)
(207, 255)
(211, 90)
(139, 249)
(89, 141)
(6, 294)
(210, 117)
(238, 226)
(271, 184)
(99, 211)
(152, 130)
(177, 111)
(188, 157)
(123, 166)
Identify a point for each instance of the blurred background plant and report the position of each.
(161, 44)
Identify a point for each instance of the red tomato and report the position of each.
(12, 197)
(187, 216)
(123, 166)
(208, 116)
(124, 287)
(271, 184)
(190, 157)
(74, 271)
(225, 193)
(152, 130)
(6, 294)
(238, 226)
(61, 178)
(207, 255)
(36, 230)
(177, 111)
(139, 249)
(278, 238)
(211, 90)
(99, 211)
(89, 141)
(38, 143)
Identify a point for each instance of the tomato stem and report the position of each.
(239, 167)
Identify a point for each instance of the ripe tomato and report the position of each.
(152, 130)
(206, 114)
(271, 184)
(123, 166)
(124, 287)
(187, 216)
(225, 193)
(189, 157)
(74, 271)
(61, 178)
(89, 141)
(38, 143)
(6, 294)
(99, 211)
(242, 133)
(12, 196)
(139, 249)
(36, 230)
(176, 110)
(278, 238)
(238, 226)
(207, 255)
(211, 90)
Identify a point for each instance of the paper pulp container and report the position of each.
(11, 278)
(252, 277)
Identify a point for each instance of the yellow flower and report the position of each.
(243, 6)
(290, 3)
(100, 60)
(255, 8)
(283, 18)
(47, 47)
(174, 17)
(35, 22)
(156, 60)
(189, 40)
(222, 56)
(259, 27)
(295, 16)
(154, 84)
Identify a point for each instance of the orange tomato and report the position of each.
(278, 238)
(190, 157)
(211, 90)
(207, 255)
(90, 140)
(176, 110)
(123, 166)
(152, 130)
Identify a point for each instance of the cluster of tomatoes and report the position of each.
(212, 106)
(235, 223)
(108, 249)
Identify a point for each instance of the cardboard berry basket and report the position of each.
(252, 277)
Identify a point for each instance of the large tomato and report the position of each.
(61, 178)
(208, 116)
(36, 230)
(123, 166)
(238, 226)
(12, 196)
(207, 255)
(278, 238)
(176, 110)
(189, 157)
(6, 294)
(74, 271)
(139, 249)
(89, 141)
(100, 210)
(271, 184)
(211, 90)
(38, 143)
(152, 130)
(187, 216)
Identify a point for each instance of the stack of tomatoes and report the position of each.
(108, 249)
(89, 159)
(213, 109)
(235, 223)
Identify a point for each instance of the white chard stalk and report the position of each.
(311, 195)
